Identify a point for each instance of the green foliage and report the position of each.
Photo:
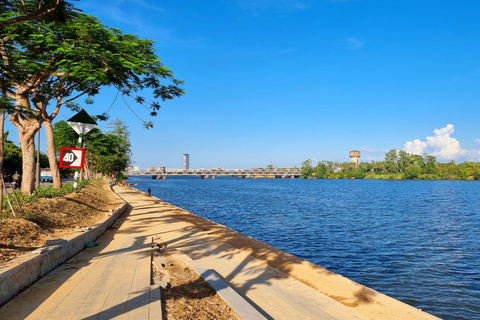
(13, 158)
(411, 172)
(49, 192)
(121, 176)
(337, 175)
(307, 169)
(429, 176)
(322, 171)
(359, 174)
(17, 11)
(477, 175)
(41, 192)
(108, 155)
(366, 166)
(65, 136)
(391, 161)
(410, 166)
(448, 171)
(60, 62)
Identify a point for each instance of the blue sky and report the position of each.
(281, 81)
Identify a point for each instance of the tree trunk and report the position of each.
(27, 128)
(27, 142)
(2, 155)
(52, 155)
(88, 172)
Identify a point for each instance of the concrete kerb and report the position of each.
(20, 273)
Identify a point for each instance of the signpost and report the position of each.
(72, 158)
(82, 123)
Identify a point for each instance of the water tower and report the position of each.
(355, 155)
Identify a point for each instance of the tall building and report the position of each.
(355, 155)
(186, 161)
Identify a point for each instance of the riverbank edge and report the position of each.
(366, 301)
(20, 273)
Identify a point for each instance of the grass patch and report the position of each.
(39, 193)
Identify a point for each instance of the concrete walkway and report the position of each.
(112, 280)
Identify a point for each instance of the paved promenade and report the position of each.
(112, 280)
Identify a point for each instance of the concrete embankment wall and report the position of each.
(20, 273)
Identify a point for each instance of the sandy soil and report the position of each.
(186, 295)
(53, 218)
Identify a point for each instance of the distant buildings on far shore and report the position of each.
(355, 156)
(186, 161)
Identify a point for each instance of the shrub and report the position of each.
(411, 172)
(477, 175)
(41, 192)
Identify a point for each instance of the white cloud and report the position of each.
(442, 146)
(415, 147)
(477, 141)
(353, 44)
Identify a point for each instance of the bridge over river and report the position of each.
(162, 173)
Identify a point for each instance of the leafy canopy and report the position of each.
(53, 61)
(17, 11)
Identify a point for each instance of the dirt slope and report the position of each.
(53, 218)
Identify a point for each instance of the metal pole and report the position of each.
(37, 183)
(77, 171)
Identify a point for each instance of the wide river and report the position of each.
(417, 241)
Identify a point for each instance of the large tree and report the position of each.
(108, 155)
(17, 11)
(391, 161)
(307, 169)
(53, 64)
(14, 12)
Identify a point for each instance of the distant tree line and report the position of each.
(397, 165)
(107, 153)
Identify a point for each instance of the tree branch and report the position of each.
(29, 16)
(81, 94)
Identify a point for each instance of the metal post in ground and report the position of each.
(37, 173)
(77, 171)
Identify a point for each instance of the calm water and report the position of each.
(417, 241)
